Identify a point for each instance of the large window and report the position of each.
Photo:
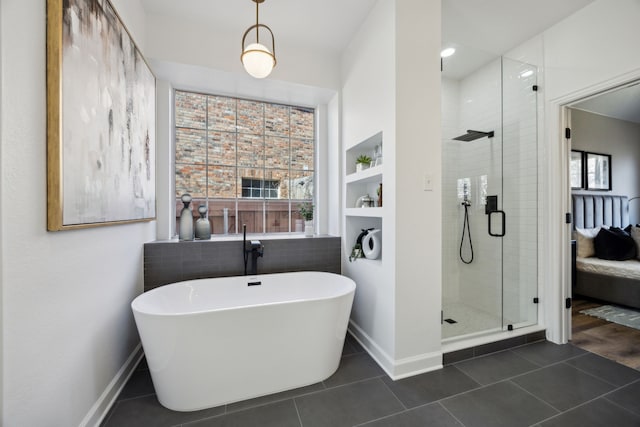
(250, 162)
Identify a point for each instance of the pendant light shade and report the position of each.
(256, 58)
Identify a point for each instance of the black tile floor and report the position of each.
(539, 384)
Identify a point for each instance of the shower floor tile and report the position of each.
(468, 320)
(522, 386)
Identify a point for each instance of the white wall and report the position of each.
(369, 62)
(67, 325)
(591, 46)
(418, 212)
(621, 139)
(397, 306)
(591, 50)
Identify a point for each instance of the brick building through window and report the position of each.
(250, 162)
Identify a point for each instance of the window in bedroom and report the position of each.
(251, 162)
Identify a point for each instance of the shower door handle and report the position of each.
(503, 217)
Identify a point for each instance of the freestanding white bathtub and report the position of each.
(214, 341)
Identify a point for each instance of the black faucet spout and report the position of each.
(255, 248)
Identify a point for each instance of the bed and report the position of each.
(616, 282)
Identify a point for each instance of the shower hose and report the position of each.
(466, 228)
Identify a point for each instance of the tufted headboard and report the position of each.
(592, 210)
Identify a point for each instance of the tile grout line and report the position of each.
(602, 379)
(637, 381)
(394, 395)
(110, 413)
(136, 397)
(620, 406)
(602, 396)
(439, 402)
(380, 418)
(361, 380)
(536, 369)
(478, 387)
(295, 405)
(258, 405)
(560, 411)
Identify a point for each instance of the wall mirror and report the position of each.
(598, 171)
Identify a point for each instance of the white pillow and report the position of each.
(635, 233)
(584, 241)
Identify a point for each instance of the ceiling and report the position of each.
(480, 30)
(488, 26)
(326, 24)
(622, 103)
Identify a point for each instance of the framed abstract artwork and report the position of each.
(101, 119)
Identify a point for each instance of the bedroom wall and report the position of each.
(606, 135)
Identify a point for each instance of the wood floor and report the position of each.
(610, 340)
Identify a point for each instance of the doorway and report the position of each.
(606, 123)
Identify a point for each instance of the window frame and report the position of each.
(292, 203)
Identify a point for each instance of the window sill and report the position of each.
(251, 236)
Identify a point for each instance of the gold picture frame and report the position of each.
(101, 119)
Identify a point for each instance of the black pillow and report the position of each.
(614, 244)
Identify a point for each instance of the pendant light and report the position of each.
(256, 58)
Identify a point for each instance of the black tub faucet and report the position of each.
(254, 248)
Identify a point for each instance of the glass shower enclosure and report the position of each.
(490, 193)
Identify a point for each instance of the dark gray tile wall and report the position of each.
(172, 261)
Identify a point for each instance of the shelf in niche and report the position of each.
(366, 261)
(368, 175)
(365, 212)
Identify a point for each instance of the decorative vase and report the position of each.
(185, 231)
(371, 245)
(308, 228)
(203, 226)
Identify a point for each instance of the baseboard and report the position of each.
(100, 409)
(396, 369)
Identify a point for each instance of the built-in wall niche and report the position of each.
(358, 185)
(355, 225)
(366, 148)
(358, 189)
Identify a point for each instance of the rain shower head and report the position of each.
(472, 135)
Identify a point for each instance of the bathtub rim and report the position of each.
(351, 289)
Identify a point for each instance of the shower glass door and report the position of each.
(489, 198)
(520, 187)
